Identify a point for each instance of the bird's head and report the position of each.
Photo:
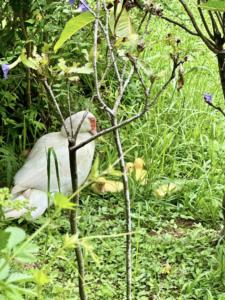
(84, 120)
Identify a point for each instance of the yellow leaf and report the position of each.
(102, 186)
(166, 189)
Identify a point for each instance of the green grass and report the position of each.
(181, 141)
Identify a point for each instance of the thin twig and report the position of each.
(127, 203)
(180, 25)
(208, 42)
(49, 89)
(104, 106)
(217, 108)
(204, 21)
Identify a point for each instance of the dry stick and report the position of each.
(127, 209)
(104, 106)
(73, 213)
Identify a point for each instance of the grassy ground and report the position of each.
(181, 141)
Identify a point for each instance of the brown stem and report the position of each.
(73, 219)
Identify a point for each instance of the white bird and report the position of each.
(31, 180)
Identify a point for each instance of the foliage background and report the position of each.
(180, 140)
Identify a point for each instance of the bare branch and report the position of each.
(106, 33)
(180, 25)
(127, 210)
(137, 116)
(208, 42)
(49, 89)
(124, 86)
(104, 106)
(204, 21)
(217, 108)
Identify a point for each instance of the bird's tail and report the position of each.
(35, 204)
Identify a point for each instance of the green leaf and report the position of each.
(4, 237)
(122, 27)
(62, 202)
(4, 269)
(26, 253)
(17, 235)
(40, 277)
(95, 169)
(218, 5)
(18, 277)
(28, 62)
(72, 27)
(86, 69)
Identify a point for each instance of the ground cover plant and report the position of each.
(181, 143)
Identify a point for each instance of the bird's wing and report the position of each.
(33, 174)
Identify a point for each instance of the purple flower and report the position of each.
(208, 98)
(83, 6)
(5, 70)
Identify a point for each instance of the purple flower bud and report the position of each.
(5, 70)
(72, 2)
(83, 6)
(208, 98)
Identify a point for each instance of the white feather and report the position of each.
(33, 174)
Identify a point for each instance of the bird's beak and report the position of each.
(93, 126)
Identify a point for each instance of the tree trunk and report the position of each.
(221, 66)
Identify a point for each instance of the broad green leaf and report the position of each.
(218, 5)
(26, 253)
(17, 235)
(28, 62)
(122, 26)
(12, 293)
(73, 26)
(4, 269)
(4, 237)
(18, 277)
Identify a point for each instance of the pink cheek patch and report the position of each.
(93, 125)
